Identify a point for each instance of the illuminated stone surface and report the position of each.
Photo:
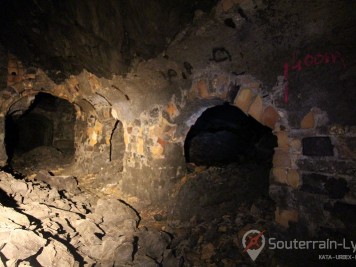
(97, 103)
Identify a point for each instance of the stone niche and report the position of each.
(42, 131)
(46, 126)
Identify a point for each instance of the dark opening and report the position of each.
(41, 136)
(234, 153)
(224, 134)
(117, 143)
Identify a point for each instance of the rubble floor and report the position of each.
(49, 219)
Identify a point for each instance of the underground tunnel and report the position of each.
(233, 153)
(224, 134)
(41, 134)
(177, 133)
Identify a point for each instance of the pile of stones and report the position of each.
(41, 224)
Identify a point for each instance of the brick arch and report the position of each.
(247, 93)
(20, 104)
(243, 91)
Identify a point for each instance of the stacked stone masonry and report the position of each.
(130, 130)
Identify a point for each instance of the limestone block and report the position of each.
(19, 187)
(123, 254)
(280, 175)
(88, 230)
(283, 217)
(12, 263)
(244, 99)
(95, 133)
(107, 251)
(220, 84)
(172, 110)
(293, 178)
(154, 242)
(256, 108)
(157, 151)
(9, 218)
(56, 254)
(4, 236)
(321, 117)
(281, 158)
(63, 182)
(308, 122)
(202, 89)
(283, 141)
(270, 117)
(22, 244)
(296, 145)
(249, 81)
(114, 212)
(140, 146)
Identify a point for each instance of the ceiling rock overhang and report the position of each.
(65, 37)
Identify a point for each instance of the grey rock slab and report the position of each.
(169, 259)
(22, 244)
(62, 204)
(68, 183)
(153, 242)
(55, 254)
(114, 211)
(9, 218)
(12, 263)
(64, 214)
(4, 237)
(88, 230)
(38, 210)
(53, 194)
(123, 254)
(19, 187)
(144, 261)
(106, 251)
(5, 183)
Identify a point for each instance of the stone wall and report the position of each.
(211, 62)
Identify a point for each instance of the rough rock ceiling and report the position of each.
(100, 36)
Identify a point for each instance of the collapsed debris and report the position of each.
(44, 227)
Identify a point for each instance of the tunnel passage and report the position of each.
(40, 135)
(234, 155)
(224, 134)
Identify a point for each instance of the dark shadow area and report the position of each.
(117, 144)
(224, 135)
(235, 154)
(6, 200)
(42, 135)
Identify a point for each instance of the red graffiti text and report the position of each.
(307, 62)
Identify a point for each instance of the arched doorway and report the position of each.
(224, 134)
(39, 133)
(229, 157)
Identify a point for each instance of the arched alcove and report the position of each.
(229, 156)
(27, 132)
(224, 134)
(40, 132)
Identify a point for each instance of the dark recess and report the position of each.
(43, 124)
(224, 134)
